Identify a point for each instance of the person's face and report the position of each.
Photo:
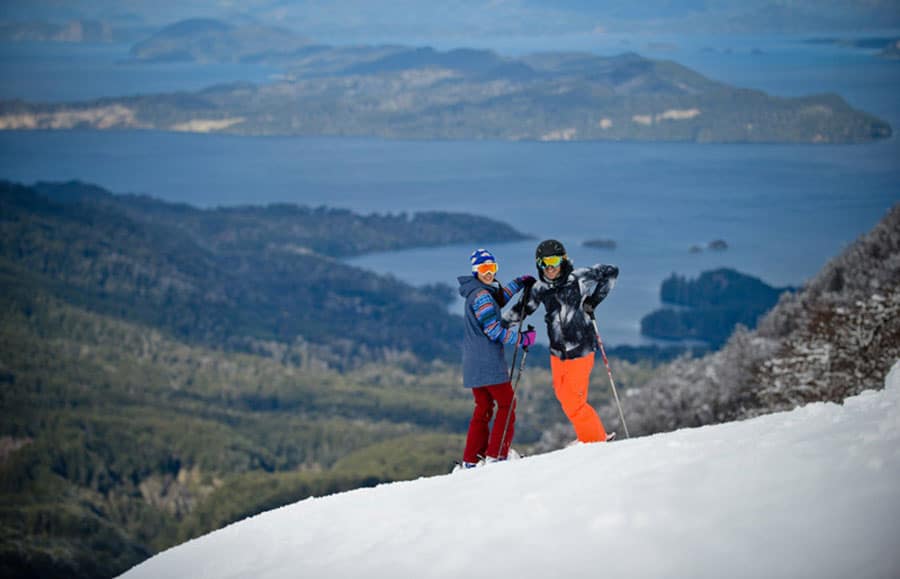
(486, 273)
(551, 266)
(551, 273)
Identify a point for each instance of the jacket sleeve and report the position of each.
(596, 282)
(514, 314)
(514, 287)
(488, 316)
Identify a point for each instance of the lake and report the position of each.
(65, 72)
(783, 210)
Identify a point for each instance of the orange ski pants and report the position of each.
(571, 379)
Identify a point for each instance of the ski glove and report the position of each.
(526, 338)
(526, 281)
(588, 307)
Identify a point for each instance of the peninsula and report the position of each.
(403, 92)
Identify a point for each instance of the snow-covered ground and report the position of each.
(810, 493)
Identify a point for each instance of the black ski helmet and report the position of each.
(549, 247)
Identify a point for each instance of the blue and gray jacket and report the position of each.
(484, 362)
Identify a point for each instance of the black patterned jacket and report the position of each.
(569, 328)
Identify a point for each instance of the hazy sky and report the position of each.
(330, 20)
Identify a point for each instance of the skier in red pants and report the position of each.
(484, 363)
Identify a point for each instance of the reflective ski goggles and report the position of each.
(550, 261)
(486, 267)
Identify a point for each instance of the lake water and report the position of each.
(783, 210)
(66, 72)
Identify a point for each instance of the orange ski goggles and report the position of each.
(486, 267)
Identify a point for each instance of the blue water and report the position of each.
(783, 210)
(71, 72)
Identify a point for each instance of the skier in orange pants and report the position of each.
(569, 297)
(570, 382)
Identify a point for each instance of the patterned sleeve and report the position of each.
(513, 314)
(488, 316)
(513, 288)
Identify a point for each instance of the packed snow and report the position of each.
(814, 492)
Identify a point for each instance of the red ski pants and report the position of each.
(484, 440)
(571, 379)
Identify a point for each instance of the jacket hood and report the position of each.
(469, 284)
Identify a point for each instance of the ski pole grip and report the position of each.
(525, 348)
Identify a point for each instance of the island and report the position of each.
(600, 243)
(402, 92)
(887, 46)
(708, 308)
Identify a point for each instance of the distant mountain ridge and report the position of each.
(74, 31)
(211, 40)
(348, 19)
(421, 93)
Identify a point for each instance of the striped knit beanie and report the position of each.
(480, 256)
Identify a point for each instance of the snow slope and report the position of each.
(814, 492)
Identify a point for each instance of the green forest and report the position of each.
(167, 370)
(708, 308)
(244, 279)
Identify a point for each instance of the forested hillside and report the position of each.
(244, 279)
(709, 307)
(165, 370)
(118, 440)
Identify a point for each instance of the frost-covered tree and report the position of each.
(835, 338)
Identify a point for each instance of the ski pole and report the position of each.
(512, 405)
(521, 305)
(612, 384)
